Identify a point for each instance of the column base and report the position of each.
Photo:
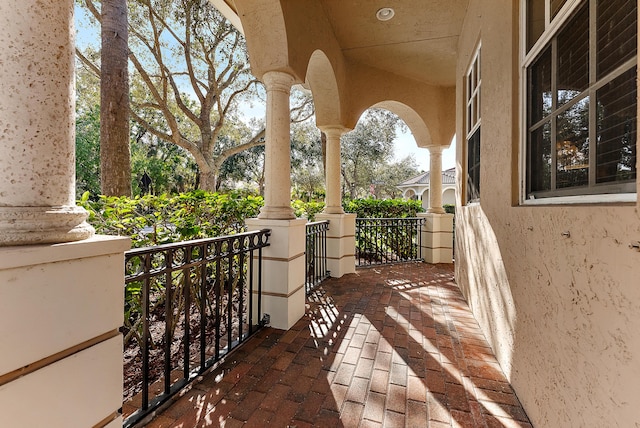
(43, 225)
(341, 243)
(437, 238)
(283, 271)
(276, 213)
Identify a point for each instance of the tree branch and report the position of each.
(257, 140)
(87, 62)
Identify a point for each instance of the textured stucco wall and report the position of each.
(561, 313)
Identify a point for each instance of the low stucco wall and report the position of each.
(561, 312)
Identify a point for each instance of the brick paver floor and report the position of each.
(393, 346)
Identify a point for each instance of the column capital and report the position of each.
(333, 131)
(278, 81)
(435, 150)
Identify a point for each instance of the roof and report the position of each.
(448, 177)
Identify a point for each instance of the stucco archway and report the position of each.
(322, 81)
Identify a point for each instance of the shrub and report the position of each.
(154, 220)
(307, 210)
(383, 208)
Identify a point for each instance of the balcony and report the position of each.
(387, 346)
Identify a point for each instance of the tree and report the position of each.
(88, 152)
(307, 171)
(190, 70)
(87, 131)
(115, 164)
(191, 73)
(390, 175)
(366, 149)
(166, 167)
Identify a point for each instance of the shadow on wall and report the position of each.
(482, 278)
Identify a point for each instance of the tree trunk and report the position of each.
(208, 180)
(115, 157)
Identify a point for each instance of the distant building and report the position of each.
(417, 188)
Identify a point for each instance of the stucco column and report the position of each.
(333, 198)
(435, 180)
(37, 128)
(277, 159)
(341, 234)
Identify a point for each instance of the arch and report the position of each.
(322, 81)
(265, 31)
(409, 194)
(449, 197)
(424, 197)
(413, 120)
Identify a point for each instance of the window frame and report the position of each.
(472, 124)
(528, 56)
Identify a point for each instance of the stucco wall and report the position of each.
(561, 313)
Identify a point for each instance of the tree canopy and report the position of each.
(189, 78)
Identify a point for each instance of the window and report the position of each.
(473, 80)
(581, 97)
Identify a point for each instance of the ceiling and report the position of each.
(419, 42)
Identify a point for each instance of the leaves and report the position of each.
(383, 208)
(154, 220)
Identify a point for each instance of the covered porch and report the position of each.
(386, 346)
(551, 280)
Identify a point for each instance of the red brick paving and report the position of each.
(392, 346)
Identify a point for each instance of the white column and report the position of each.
(37, 129)
(341, 234)
(437, 232)
(277, 169)
(435, 180)
(333, 198)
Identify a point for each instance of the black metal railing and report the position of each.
(316, 254)
(186, 306)
(388, 240)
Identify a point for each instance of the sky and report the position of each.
(405, 145)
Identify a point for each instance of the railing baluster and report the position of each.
(230, 296)
(218, 294)
(250, 273)
(240, 286)
(388, 240)
(146, 290)
(168, 303)
(203, 305)
(186, 288)
(160, 263)
(260, 286)
(316, 254)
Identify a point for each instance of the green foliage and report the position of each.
(88, 151)
(449, 208)
(154, 220)
(307, 210)
(170, 167)
(383, 208)
(367, 152)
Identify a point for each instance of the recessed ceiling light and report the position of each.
(385, 14)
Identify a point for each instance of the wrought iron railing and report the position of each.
(388, 240)
(316, 254)
(187, 305)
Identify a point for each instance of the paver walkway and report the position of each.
(394, 346)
